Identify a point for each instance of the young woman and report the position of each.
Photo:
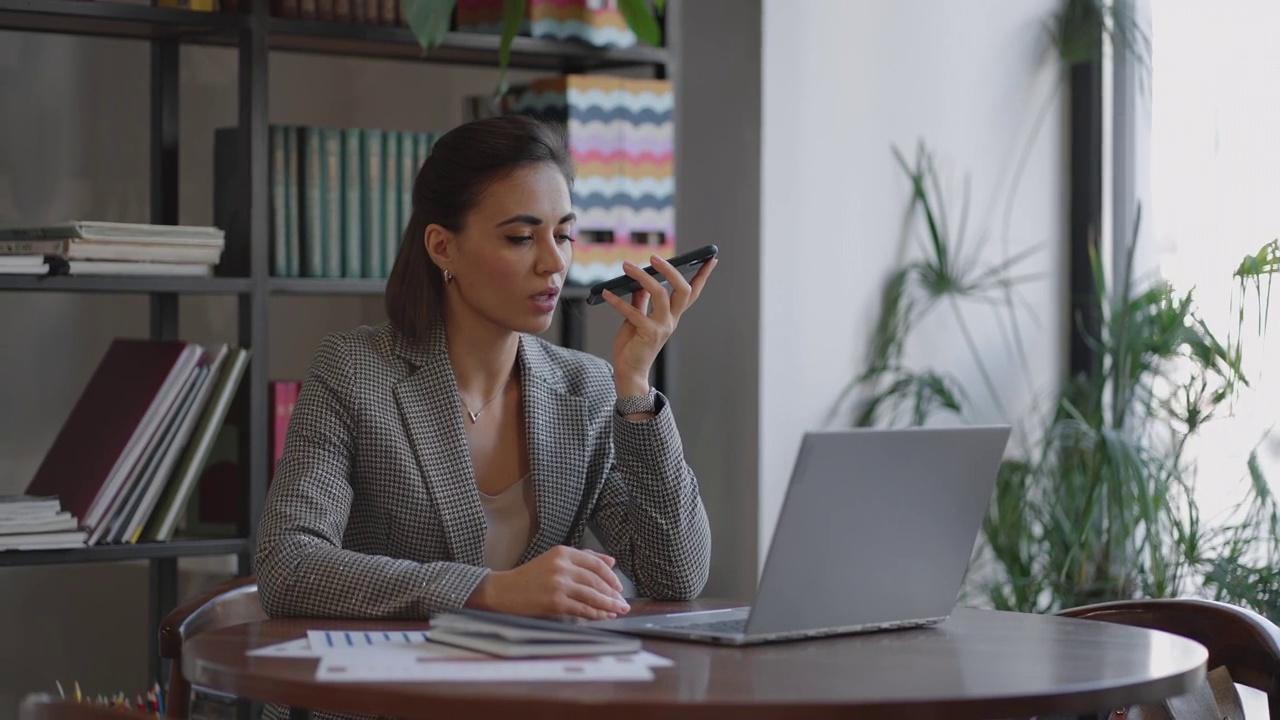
(452, 458)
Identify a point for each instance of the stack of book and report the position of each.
(23, 265)
(340, 197)
(37, 523)
(112, 248)
(128, 457)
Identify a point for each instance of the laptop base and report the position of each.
(700, 627)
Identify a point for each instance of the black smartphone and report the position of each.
(688, 264)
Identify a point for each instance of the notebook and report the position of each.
(512, 636)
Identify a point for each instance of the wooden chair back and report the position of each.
(230, 603)
(1242, 641)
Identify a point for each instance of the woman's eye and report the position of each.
(564, 238)
(520, 238)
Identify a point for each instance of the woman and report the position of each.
(451, 458)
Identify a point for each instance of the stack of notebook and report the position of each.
(127, 459)
(37, 523)
(110, 248)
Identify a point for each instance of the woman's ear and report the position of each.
(439, 242)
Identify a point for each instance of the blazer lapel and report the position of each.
(556, 425)
(428, 406)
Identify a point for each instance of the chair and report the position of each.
(1242, 641)
(229, 603)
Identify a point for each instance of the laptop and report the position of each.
(875, 533)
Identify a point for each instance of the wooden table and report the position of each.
(978, 664)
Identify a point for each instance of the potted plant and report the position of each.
(430, 21)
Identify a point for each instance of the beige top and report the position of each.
(510, 517)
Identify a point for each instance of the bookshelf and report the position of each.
(255, 35)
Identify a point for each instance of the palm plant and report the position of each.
(1097, 504)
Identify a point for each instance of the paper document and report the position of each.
(379, 665)
(361, 638)
(410, 656)
(345, 641)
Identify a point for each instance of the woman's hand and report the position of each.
(643, 333)
(561, 581)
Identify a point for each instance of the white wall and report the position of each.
(843, 82)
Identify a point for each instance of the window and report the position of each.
(1213, 196)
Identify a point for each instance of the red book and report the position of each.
(103, 437)
(284, 395)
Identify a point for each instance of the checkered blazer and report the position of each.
(374, 511)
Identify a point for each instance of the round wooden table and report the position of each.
(977, 664)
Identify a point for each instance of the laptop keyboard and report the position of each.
(720, 626)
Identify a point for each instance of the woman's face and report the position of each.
(510, 260)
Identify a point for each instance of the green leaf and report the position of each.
(513, 12)
(641, 21)
(429, 21)
(660, 6)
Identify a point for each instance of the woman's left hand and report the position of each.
(643, 333)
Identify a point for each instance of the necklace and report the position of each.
(476, 415)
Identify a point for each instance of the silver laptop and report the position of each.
(875, 533)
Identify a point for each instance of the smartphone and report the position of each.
(688, 264)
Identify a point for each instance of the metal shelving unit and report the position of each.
(255, 35)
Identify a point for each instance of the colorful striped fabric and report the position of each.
(621, 137)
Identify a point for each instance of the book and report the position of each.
(109, 426)
(102, 231)
(178, 488)
(514, 636)
(121, 268)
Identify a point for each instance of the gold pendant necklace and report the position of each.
(476, 415)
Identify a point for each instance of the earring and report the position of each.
(448, 277)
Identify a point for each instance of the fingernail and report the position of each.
(612, 616)
(655, 259)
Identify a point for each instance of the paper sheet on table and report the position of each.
(389, 664)
(304, 648)
(416, 642)
(324, 639)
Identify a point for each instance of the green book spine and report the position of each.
(352, 212)
(293, 220)
(279, 211)
(373, 189)
(333, 202)
(312, 203)
(408, 174)
(390, 199)
(421, 147)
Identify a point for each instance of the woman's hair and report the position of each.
(461, 166)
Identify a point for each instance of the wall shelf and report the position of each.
(326, 286)
(113, 19)
(103, 18)
(135, 285)
(255, 35)
(115, 553)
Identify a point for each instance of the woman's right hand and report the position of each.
(561, 581)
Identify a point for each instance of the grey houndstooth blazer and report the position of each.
(374, 511)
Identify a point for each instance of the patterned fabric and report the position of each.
(374, 511)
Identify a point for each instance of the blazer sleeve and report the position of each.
(302, 567)
(649, 513)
